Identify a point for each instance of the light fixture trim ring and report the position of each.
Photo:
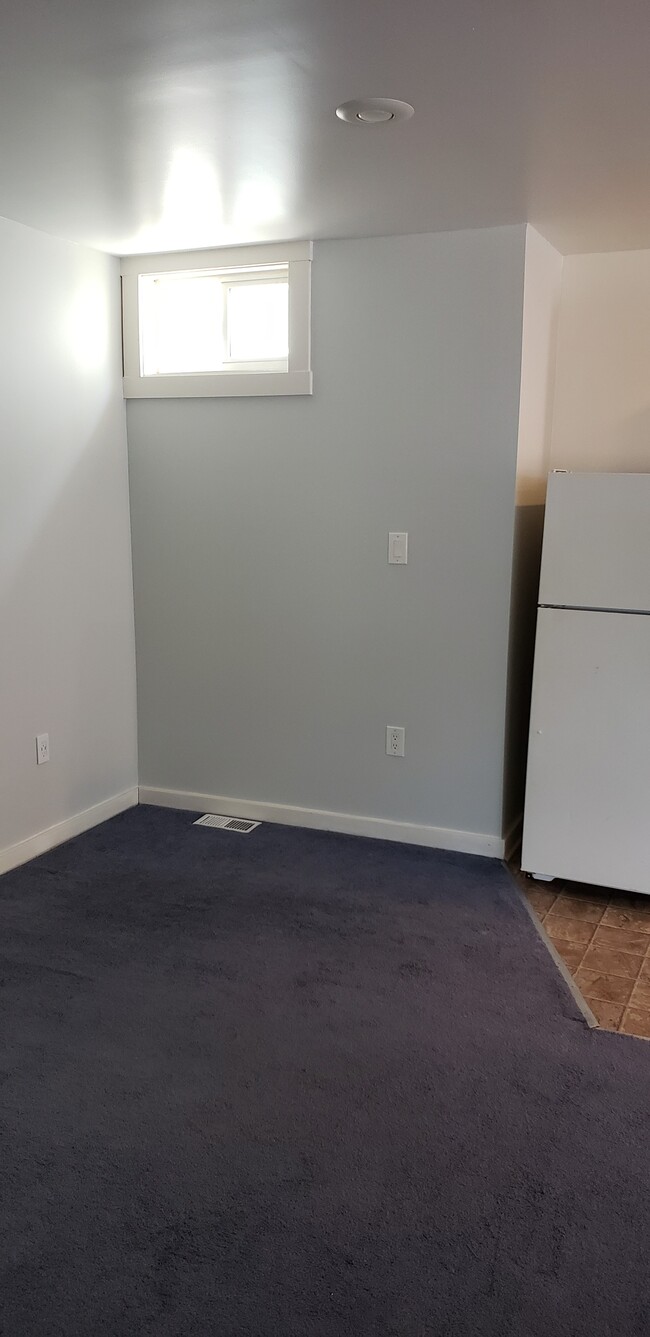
(374, 111)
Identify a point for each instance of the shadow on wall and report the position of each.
(526, 558)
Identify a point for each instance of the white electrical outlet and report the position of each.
(394, 740)
(42, 748)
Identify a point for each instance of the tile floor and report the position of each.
(603, 936)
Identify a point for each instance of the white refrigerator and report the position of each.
(587, 808)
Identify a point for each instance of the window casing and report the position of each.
(227, 322)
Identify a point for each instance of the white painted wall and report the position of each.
(274, 641)
(602, 396)
(67, 660)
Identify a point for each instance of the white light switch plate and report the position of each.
(398, 549)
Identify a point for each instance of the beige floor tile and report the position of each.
(621, 939)
(568, 930)
(608, 1015)
(541, 901)
(606, 988)
(571, 953)
(617, 916)
(636, 1021)
(609, 962)
(641, 992)
(603, 937)
(570, 907)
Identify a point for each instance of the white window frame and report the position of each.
(243, 261)
(244, 278)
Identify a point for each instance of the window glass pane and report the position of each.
(258, 321)
(181, 324)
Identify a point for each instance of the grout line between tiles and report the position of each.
(588, 945)
(630, 1001)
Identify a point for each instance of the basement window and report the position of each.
(227, 322)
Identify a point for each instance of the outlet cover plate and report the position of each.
(395, 739)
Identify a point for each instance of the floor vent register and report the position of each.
(240, 824)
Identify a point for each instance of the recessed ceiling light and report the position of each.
(374, 110)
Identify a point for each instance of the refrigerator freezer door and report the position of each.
(596, 550)
(587, 810)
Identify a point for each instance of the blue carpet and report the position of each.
(296, 1083)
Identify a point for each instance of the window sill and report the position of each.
(224, 384)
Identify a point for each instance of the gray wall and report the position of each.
(274, 642)
(67, 664)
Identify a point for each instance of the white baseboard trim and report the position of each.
(512, 837)
(24, 850)
(380, 828)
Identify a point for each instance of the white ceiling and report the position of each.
(137, 125)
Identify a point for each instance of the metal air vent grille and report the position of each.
(240, 824)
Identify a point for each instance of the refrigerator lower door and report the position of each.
(587, 810)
